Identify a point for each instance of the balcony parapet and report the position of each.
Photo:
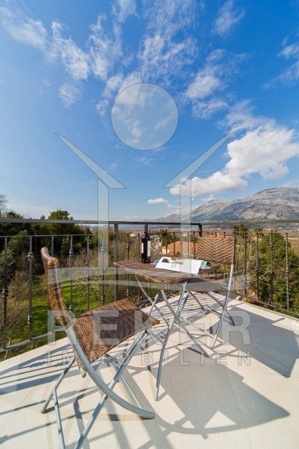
(267, 266)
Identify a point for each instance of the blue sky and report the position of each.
(78, 68)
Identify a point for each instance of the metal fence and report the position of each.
(266, 269)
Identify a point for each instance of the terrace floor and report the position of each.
(244, 396)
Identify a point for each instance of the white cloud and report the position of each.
(105, 48)
(165, 50)
(227, 17)
(210, 80)
(75, 61)
(102, 107)
(124, 8)
(69, 94)
(264, 151)
(130, 79)
(206, 82)
(57, 48)
(164, 122)
(24, 29)
(170, 16)
(161, 57)
(137, 131)
(218, 182)
(241, 117)
(206, 109)
(134, 96)
(114, 85)
(290, 50)
(144, 160)
(157, 201)
(291, 74)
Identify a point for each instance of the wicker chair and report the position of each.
(92, 335)
(220, 252)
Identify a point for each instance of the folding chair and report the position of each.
(92, 335)
(220, 252)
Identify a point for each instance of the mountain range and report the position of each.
(270, 204)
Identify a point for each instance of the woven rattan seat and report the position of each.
(100, 330)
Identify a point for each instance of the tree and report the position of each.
(241, 230)
(60, 230)
(274, 270)
(11, 228)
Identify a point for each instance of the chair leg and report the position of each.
(133, 349)
(118, 375)
(57, 383)
(53, 395)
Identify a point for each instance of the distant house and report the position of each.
(182, 249)
(216, 234)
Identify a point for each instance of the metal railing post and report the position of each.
(127, 258)
(245, 263)
(52, 245)
(116, 258)
(5, 294)
(271, 268)
(102, 259)
(287, 272)
(257, 267)
(71, 262)
(88, 270)
(30, 270)
(127, 246)
(199, 229)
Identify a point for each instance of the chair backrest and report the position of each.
(57, 303)
(216, 249)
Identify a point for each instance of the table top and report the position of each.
(161, 276)
(150, 273)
